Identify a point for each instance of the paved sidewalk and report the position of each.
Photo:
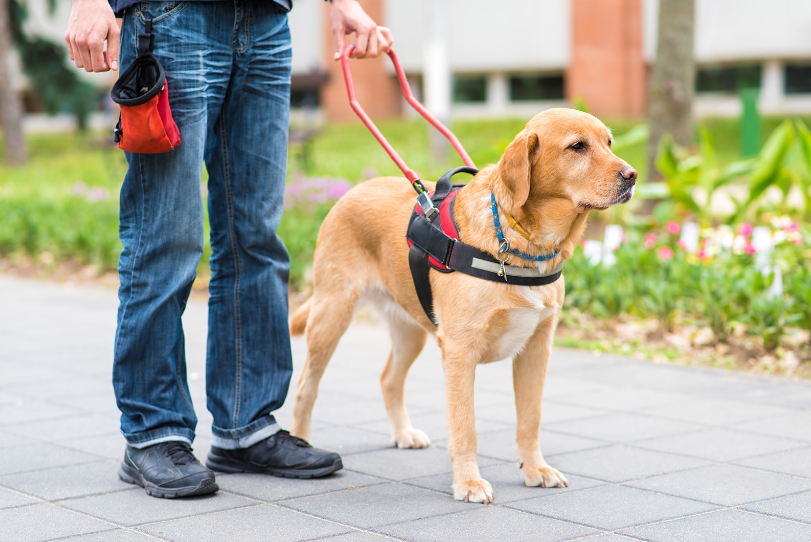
(651, 452)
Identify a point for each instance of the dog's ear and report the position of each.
(515, 169)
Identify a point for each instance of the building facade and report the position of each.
(516, 57)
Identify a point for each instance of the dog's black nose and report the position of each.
(629, 174)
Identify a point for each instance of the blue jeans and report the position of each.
(228, 72)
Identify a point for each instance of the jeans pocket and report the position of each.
(159, 11)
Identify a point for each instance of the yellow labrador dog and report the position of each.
(556, 170)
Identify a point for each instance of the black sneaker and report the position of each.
(168, 469)
(280, 454)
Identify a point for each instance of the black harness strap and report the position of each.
(429, 240)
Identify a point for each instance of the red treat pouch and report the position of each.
(145, 125)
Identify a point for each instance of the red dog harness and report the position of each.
(435, 244)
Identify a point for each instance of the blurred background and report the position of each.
(709, 99)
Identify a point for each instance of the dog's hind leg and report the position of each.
(407, 341)
(326, 324)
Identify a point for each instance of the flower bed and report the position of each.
(743, 295)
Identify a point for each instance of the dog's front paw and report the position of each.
(473, 491)
(544, 476)
(412, 438)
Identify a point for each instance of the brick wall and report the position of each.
(376, 89)
(607, 68)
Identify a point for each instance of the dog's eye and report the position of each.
(579, 146)
(610, 142)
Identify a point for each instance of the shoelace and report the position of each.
(285, 435)
(179, 453)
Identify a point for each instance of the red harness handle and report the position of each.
(353, 101)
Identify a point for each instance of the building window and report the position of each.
(304, 98)
(797, 79)
(536, 87)
(727, 79)
(469, 89)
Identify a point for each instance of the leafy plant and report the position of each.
(768, 317)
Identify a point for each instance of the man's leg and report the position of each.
(249, 359)
(161, 227)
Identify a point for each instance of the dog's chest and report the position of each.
(523, 321)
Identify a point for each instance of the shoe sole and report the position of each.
(226, 465)
(132, 476)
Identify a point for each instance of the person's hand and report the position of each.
(371, 40)
(92, 22)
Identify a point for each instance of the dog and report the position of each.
(556, 170)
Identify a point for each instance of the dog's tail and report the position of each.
(298, 322)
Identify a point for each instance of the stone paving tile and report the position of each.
(490, 523)
(720, 444)
(435, 425)
(620, 463)
(612, 507)
(610, 537)
(68, 482)
(794, 425)
(8, 440)
(39, 456)
(81, 387)
(396, 464)
(116, 535)
(109, 446)
(93, 403)
(353, 411)
(793, 397)
(68, 428)
(727, 485)
(560, 387)
(357, 536)
(10, 499)
(45, 522)
(271, 488)
(135, 507)
(28, 410)
(378, 505)
(501, 444)
(795, 462)
(15, 374)
(258, 523)
(723, 526)
(796, 507)
(623, 399)
(346, 440)
(553, 411)
(714, 411)
(621, 428)
(507, 483)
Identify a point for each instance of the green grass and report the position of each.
(40, 211)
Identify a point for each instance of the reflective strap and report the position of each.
(513, 271)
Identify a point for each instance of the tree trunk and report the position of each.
(670, 91)
(11, 111)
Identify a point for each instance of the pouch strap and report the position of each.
(146, 40)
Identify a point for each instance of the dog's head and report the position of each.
(563, 155)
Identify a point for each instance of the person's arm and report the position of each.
(91, 23)
(371, 40)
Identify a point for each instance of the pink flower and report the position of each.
(682, 245)
(673, 227)
(745, 229)
(792, 227)
(750, 248)
(797, 241)
(665, 253)
(650, 240)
